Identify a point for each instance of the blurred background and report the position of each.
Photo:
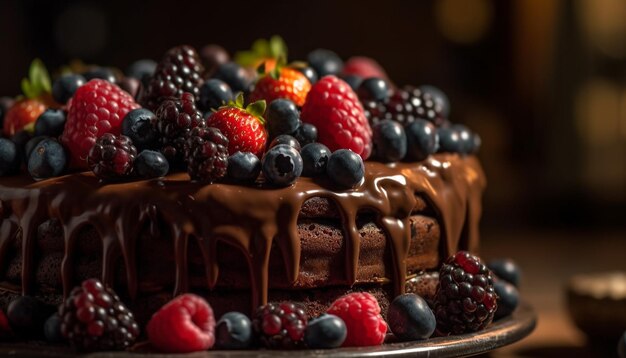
(543, 82)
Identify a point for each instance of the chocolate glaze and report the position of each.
(248, 218)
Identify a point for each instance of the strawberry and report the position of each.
(97, 107)
(26, 110)
(244, 127)
(364, 67)
(282, 82)
(333, 107)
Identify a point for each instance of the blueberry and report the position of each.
(100, 72)
(282, 165)
(390, 142)
(315, 158)
(151, 164)
(439, 96)
(422, 139)
(47, 160)
(325, 62)
(21, 138)
(64, 87)
(244, 167)
(141, 69)
(233, 331)
(306, 70)
(137, 125)
(10, 157)
(50, 123)
(234, 75)
(506, 269)
(5, 104)
(466, 138)
(52, 329)
(27, 315)
(410, 318)
(214, 93)
(508, 298)
(286, 139)
(449, 140)
(31, 144)
(345, 168)
(353, 80)
(283, 117)
(621, 346)
(306, 133)
(325, 332)
(373, 89)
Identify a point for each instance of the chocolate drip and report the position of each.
(252, 219)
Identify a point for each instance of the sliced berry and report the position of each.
(325, 332)
(47, 159)
(286, 139)
(233, 331)
(422, 139)
(234, 75)
(10, 157)
(506, 269)
(244, 167)
(151, 164)
(112, 157)
(283, 117)
(95, 319)
(101, 73)
(185, 324)
(27, 315)
(206, 152)
(361, 314)
(280, 325)
(97, 108)
(214, 93)
(465, 300)
(410, 318)
(65, 86)
(373, 89)
(325, 62)
(50, 123)
(138, 126)
(282, 165)
(390, 142)
(314, 158)
(52, 329)
(345, 168)
(306, 133)
(334, 109)
(175, 118)
(508, 298)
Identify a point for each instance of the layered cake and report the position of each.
(315, 184)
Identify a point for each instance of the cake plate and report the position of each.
(501, 333)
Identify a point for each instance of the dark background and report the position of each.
(543, 82)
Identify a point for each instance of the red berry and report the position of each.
(97, 107)
(206, 152)
(21, 114)
(5, 328)
(280, 325)
(291, 84)
(364, 67)
(361, 313)
(185, 324)
(112, 158)
(333, 107)
(243, 127)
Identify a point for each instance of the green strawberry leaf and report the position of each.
(262, 49)
(257, 109)
(38, 81)
(277, 47)
(239, 100)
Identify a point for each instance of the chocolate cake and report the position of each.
(238, 246)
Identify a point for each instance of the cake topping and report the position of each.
(325, 332)
(345, 168)
(361, 314)
(283, 117)
(390, 141)
(138, 126)
(206, 153)
(233, 331)
(112, 157)
(508, 298)
(281, 82)
(65, 86)
(47, 159)
(151, 164)
(410, 318)
(214, 93)
(50, 123)
(280, 325)
(244, 167)
(315, 158)
(282, 165)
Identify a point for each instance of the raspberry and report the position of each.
(97, 107)
(185, 324)
(361, 313)
(280, 325)
(174, 120)
(364, 67)
(179, 71)
(206, 152)
(112, 157)
(333, 107)
(465, 300)
(405, 106)
(94, 318)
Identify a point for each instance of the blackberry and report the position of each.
(206, 152)
(94, 319)
(179, 71)
(466, 299)
(175, 118)
(280, 325)
(404, 106)
(111, 158)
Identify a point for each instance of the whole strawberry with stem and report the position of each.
(97, 107)
(25, 111)
(244, 127)
(281, 82)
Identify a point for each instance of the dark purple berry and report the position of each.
(206, 152)
(52, 329)
(315, 158)
(27, 315)
(345, 168)
(282, 165)
(410, 318)
(325, 332)
(64, 87)
(233, 331)
(244, 167)
(142, 70)
(111, 158)
(280, 325)
(440, 97)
